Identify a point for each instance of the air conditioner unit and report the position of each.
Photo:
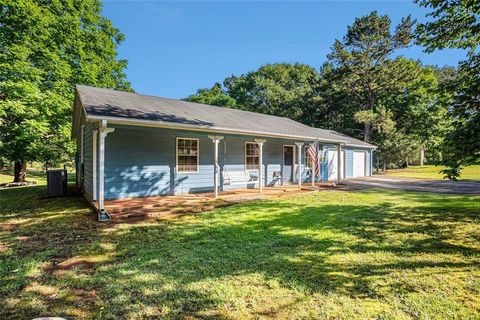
(57, 183)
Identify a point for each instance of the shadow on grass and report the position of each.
(178, 267)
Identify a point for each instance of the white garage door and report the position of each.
(358, 164)
(332, 164)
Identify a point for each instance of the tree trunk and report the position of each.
(20, 171)
(422, 156)
(366, 132)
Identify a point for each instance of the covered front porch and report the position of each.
(138, 162)
(148, 208)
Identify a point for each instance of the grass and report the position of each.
(36, 175)
(433, 172)
(328, 255)
(32, 175)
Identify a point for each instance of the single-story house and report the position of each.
(133, 145)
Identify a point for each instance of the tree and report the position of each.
(281, 89)
(462, 143)
(363, 57)
(420, 107)
(456, 24)
(214, 96)
(47, 48)
(333, 107)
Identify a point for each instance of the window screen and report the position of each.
(187, 155)
(251, 156)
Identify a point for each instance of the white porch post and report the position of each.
(260, 143)
(94, 163)
(103, 131)
(339, 163)
(299, 163)
(313, 168)
(216, 168)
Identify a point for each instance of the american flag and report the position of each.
(312, 151)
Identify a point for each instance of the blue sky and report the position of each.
(174, 48)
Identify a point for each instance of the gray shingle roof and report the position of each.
(113, 104)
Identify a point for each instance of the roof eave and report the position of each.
(192, 127)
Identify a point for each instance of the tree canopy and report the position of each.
(456, 24)
(47, 48)
(363, 90)
(280, 89)
(214, 96)
(363, 59)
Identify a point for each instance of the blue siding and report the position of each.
(348, 163)
(325, 164)
(368, 160)
(88, 160)
(141, 162)
(371, 162)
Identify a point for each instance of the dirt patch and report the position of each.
(82, 296)
(46, 291)
(3, 247)
(162, 210)
(8, 226)
(59, 268)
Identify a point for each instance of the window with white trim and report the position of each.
(252, 155)
(187, 155)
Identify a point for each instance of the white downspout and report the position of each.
(103, 131)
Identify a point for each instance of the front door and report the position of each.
(288, 163)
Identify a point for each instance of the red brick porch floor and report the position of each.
(135, 209)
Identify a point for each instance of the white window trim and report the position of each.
(245, 155)
(294, 154)
(176, 155)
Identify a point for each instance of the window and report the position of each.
(187, 155)
(308, 159)
(251, 156)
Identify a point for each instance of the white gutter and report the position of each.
(192, 127)
(361, 146)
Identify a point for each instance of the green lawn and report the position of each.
(37, 176)
(433, 172)
(32, 175)
(328, 255)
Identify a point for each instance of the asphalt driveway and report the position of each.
(436, 186)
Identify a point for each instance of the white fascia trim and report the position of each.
(360, 146)
(152, 123)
